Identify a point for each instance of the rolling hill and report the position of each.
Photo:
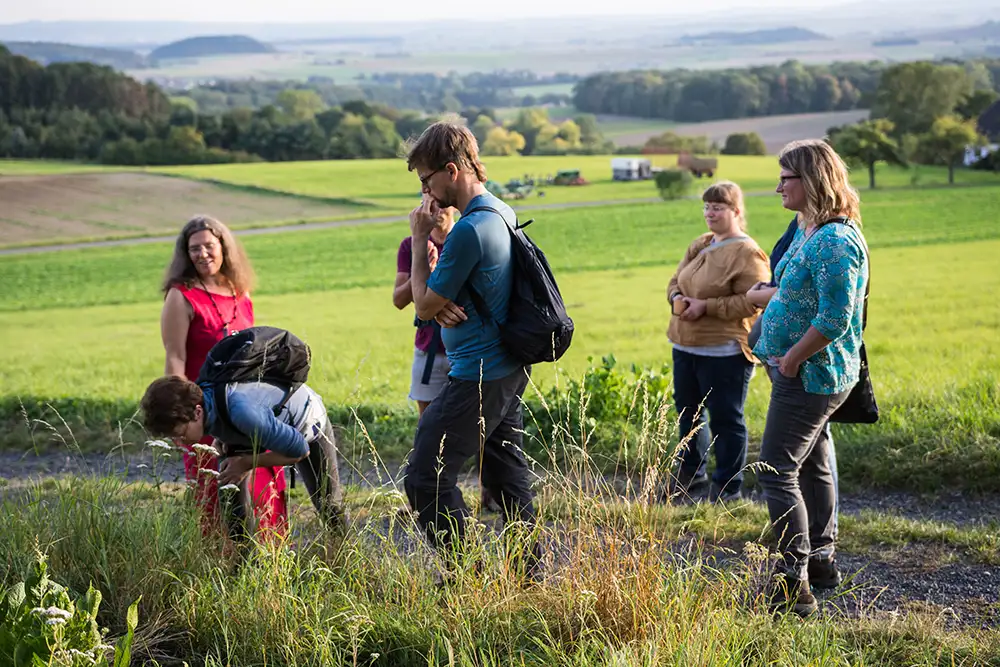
(210, 45)
(54, 52)
(769, 36)
(989, 31)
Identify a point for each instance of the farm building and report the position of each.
(988, 125)
(630, 169)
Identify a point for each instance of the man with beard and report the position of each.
(479, 410)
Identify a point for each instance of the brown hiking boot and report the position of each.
(824, 573)
(792, 595)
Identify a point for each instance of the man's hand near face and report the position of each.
(426, 217)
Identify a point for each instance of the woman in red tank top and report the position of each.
(207, 290)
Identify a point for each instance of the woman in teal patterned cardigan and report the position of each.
(810, 340)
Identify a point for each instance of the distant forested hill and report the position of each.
(215, 45)
(771, 36)
(53, 52)
(989, 31)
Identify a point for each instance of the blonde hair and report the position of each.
(445, 142)
(826, 181)
(235, 266)
(730, 194)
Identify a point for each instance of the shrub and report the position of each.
(603, 415)
(673, 183)
(744, 143)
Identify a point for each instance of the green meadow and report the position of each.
(80, 328)
(388, 184)
(629, 580)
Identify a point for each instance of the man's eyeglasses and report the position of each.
(424, 179)
(784, 179)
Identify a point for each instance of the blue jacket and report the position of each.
(251, 410)
(781, 247)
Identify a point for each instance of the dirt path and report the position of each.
(927, 578)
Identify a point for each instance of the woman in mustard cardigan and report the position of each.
(708, 330)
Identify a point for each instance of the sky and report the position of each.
(295, 11)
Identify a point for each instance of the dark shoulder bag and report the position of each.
(860, 406)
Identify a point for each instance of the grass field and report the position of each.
(629, 584)
(93, 347)
(349, 188)
(54, 207)
(545, 89)
(386, 183)
(776, 131)
(440, 53)
(629, 581)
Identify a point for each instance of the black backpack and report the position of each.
(537, 328)
(256, 354)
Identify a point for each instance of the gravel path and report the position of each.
(933, 580)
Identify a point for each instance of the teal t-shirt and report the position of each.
(477, 252)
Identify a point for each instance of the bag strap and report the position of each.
(847, 222)
(715, 246)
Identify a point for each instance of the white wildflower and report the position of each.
(52, 612)
(55, 621)
(142, 466)
(207, 449)
(160, 444)
(208, 471)
(229, 487)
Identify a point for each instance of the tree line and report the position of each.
(790, 88)
(922, 113)
(88, 112)
(428, 92)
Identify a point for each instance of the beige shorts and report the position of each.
(439, 376)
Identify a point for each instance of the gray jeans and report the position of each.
(799, 484)
(321, 477)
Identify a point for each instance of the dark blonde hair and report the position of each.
(168, 404)
(826, 181)
(730, 194)
(445, 142)
(235, 265)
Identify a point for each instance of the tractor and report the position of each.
(569, 177)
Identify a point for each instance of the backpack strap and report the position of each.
(222, 404)
(431, 354)
(478, 300)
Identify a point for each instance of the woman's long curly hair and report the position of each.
(235, 266)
